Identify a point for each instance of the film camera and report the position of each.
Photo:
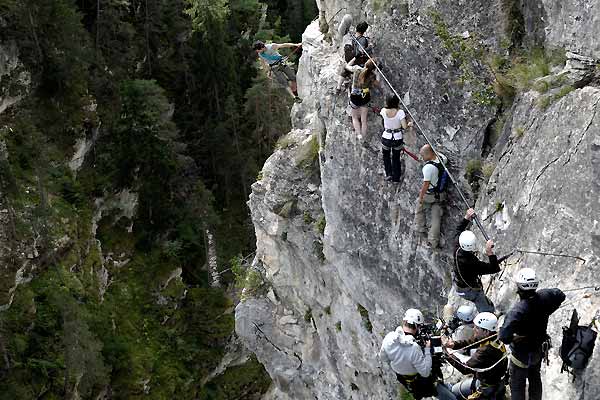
(432, 333)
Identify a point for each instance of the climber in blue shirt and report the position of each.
(277, 64)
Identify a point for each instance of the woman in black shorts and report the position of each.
(363, 79)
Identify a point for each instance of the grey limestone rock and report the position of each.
(332, 294)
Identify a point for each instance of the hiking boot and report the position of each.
(388, 178)
(297, 99)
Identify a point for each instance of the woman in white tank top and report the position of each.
(394, 124)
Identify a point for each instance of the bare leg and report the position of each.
(356, 120)
(364, 112)
(294, 87)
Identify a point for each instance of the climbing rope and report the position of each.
(506, 355)
(419, 128)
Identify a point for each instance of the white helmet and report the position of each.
(526, 279)
(467, 241)
(466, 313)
(413, 316)
(487, 321)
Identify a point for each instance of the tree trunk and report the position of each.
(236, 140)
(35, 36)
(211, 259)
(147, 26)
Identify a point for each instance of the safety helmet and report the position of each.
(467, 241)
(413, 316)
(487, 321)
(466, 313)
(526, 279)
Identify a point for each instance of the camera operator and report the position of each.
(411, 363)
(489, 363)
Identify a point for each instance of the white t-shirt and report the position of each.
(430, 173)
(392, 123)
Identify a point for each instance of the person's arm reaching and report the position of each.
(493, 266)
(285, 45)
(462, 225)
(350, 65)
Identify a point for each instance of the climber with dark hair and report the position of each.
(394, 124)
(276, 64)
(412, 364)
(468, 269)
(361, 53)
(524, 329)
(429, 198)
(488, 363)
(358, 48)
(363, 78)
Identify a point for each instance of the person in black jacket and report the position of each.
(488, 363)
(524, 329)
(468, 269)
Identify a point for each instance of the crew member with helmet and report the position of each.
(462, 326)
(488, 363)
(468, 269)
(524, 329)
(411, 363)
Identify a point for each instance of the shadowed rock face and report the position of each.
(330, 296)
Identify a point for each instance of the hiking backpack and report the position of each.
(443, 178)
(577, 344)
(352, 50)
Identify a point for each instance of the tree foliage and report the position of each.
(169, 97)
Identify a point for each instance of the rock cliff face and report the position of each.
(334, 242)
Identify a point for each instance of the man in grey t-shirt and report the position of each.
(428, 199)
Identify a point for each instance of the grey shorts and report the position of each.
(283, 74)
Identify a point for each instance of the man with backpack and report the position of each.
(356, 52)
(468, 269)
(431, 195)
(524, 329)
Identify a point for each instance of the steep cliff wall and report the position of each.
(331, 294)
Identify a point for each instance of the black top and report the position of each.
(467, 267)
(528, 319)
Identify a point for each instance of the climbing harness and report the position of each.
(541, 253)
(284, 59)
(360, 92)
(454, 182)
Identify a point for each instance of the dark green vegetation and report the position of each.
(169, 94)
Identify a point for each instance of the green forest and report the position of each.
(169, 94)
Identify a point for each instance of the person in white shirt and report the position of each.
(429, 199)
(394, 124)
(411, 363)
